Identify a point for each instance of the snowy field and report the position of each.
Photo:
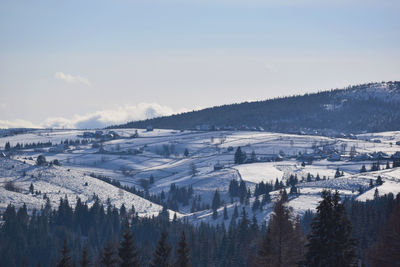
(208, 166)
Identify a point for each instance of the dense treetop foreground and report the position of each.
(340, 234)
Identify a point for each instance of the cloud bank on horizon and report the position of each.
(98, 119)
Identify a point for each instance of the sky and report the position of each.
(89, 64)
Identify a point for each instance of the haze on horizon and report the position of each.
(89, 64)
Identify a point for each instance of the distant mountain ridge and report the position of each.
(368, 107)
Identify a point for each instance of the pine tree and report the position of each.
(256, 204)
(363, 169)
(31, 189)
(193, 169)
(215, 214)
(283, 243)
(385, 252)
(235, 212)
(387, 165)
(183, 258)
(330, 243)
(65, 258)
(186, 152)
(308, 177)
(127, 251)
(108, 258)
(266, 199)
(7, 147)
(85, 262)
(376, 193)
(284, 195)
(225, 213)
(240, 156)
(277, 185)
(379, 180)
(337, 173)
(253, 157)
(216, 202)
(242, 191)
(162, 253)
(293, 190)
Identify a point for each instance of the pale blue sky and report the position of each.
(63, 63)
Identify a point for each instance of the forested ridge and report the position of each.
(368, 107)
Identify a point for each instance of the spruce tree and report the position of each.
(363, 169)
(65, 258)
(293, 190)
(162, 253)
(225, 213)
(215, 214)
(283, 243)
(330, 243)
(240, 156)
(31, 189)
(85, 262)
(7, 147)
(235, 212)
(216, 202)
(107, 258)
(376, 193)
(337, 173)
(186, 152)
(183, 258)
(379, 180)
(387, 165)
(127, 251)
(385, 252)
(284, 195)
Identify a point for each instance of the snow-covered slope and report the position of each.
(387, 91)
(160, 154)
(56, 182)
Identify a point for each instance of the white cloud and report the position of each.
(5, 124)
(99, 119)
(68, 78)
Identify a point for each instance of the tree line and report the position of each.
(340, 233)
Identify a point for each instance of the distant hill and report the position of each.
(368, 107)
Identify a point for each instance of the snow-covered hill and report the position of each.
(132, 159)
(56, 182)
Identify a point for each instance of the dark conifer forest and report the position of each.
(359, 108)
(343, 232)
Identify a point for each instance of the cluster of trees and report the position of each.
(9, 147)
(376, 166)
(41, 161)
(339, 234)
(75, 142)
(17, 146)
(177, 195)
(167, 150)
(338, 173)
(239, 189)
(198, 204)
